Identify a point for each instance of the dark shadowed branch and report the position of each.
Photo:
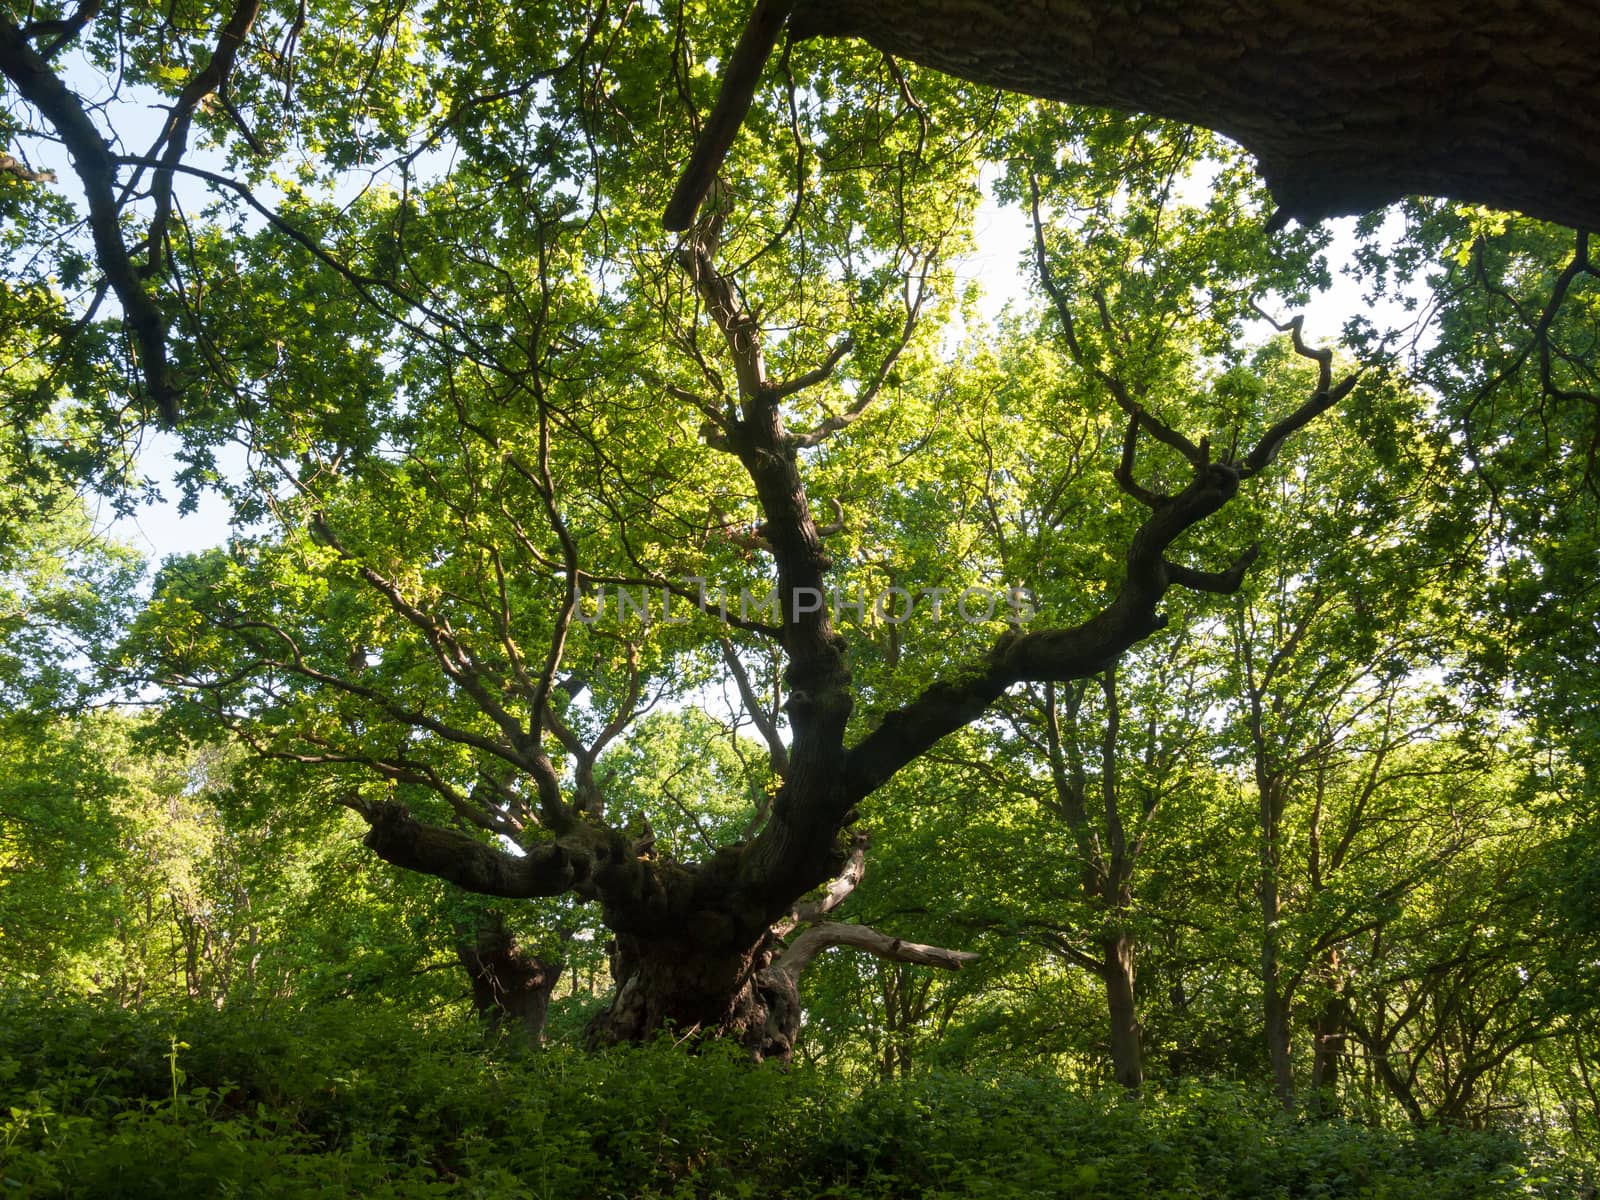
(739, 81)
(31, 75)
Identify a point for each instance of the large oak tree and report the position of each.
(417, 282)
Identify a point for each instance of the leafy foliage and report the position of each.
(358, 1100)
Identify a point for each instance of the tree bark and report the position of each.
(808, 944)
(1274, 1000)
(1274, 1003)
(1347, 107)
(678, 986)
(687, 988)
(1275, 1011)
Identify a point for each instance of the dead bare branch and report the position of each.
(811, 942)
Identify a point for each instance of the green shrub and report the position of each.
(359, 1101)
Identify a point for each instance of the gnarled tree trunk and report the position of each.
(695, 942)
(708, 981)
(675, 985)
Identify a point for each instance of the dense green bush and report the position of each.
(360, 1102)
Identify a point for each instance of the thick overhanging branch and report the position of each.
(399, 838)
(1056, 655)
(739, 82)
(1061, 655)
(1347, 108)
(1222, 583)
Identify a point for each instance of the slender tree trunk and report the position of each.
(702, 984)
(1275, 1008)
(1327, 1041)
(1126, 1061)
(1274, 1003)
(1398, 1085)
(510, 986)
(1328, 1031)
(900, 1015)
(1178, 1006)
